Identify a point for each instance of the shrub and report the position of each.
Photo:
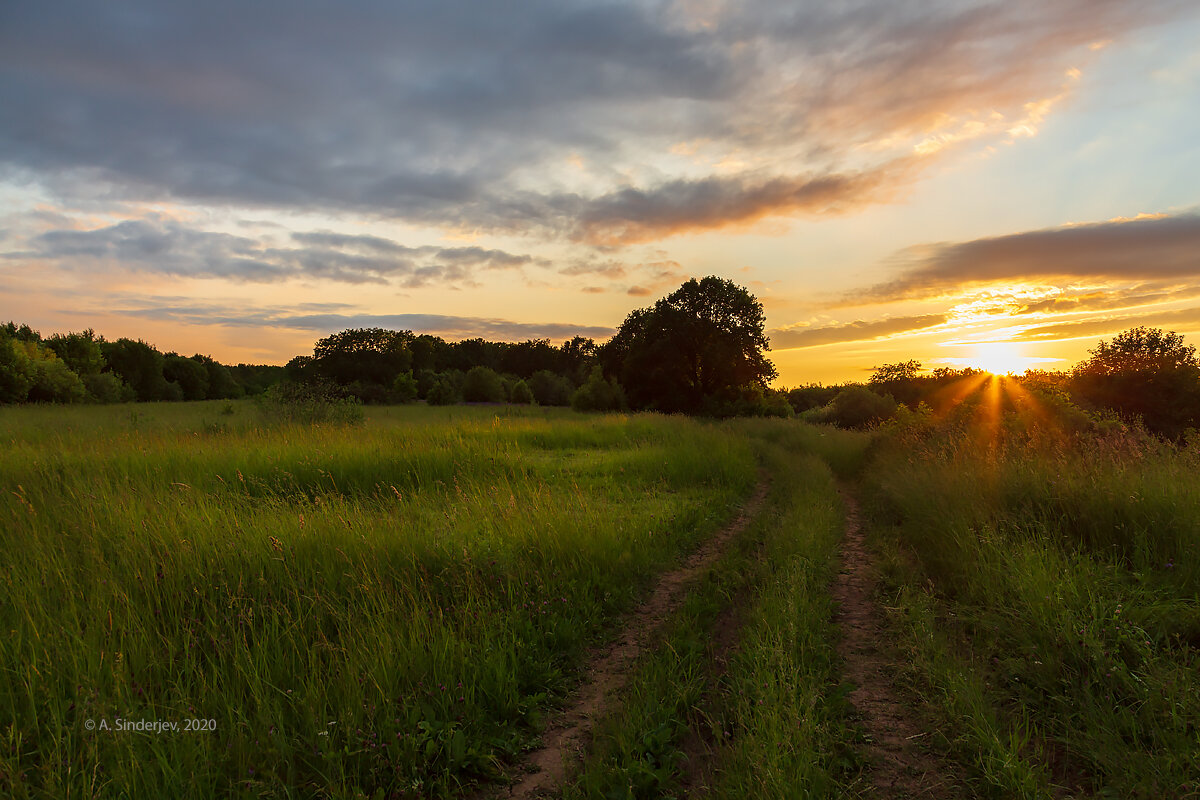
(404, 388)
(483, 385)
(521, 394)
(309, 404)
(105, 387)
(598, 394)
(550, 389)
(857, 407)
(53, 380)
(443, 393)
(776, 404)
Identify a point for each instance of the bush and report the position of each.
(856, 407)
(369, 392)
(776, 404)
(598, 394)
(443, 393)
(483, 385)
(550, 389)
(404, 388)
(105, 387)
(521, 394)
(802, 398)
(309, 404)
(53, 380)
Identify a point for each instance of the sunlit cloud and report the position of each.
(804, 336)
(1140, 249)
(1183, 319)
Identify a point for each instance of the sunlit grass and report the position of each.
(391, 606)
(1047, 589)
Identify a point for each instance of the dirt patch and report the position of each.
(567, 736)
(900, 766)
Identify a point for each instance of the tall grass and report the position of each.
(769, 720)
(1049, 591)
(389, 608)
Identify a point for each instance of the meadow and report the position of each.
(389, 605)
(398, 608)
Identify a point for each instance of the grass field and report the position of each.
(396, 609)
(1047, 594)
(387, 606)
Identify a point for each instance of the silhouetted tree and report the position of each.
(898, 380)
(483, 385)
(521, 395)
(189, 375)
(139, 365)
(370, 355)
(221, 384)
(703, 341)
(802, 398)
(550, 389)
(598, 394)
(1146, 373)
(525, 358)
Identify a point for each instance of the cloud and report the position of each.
(1187, 317)
(558, 119)
(1112, 298)
(168, 247)
(794, 337)
(450, 327)
(637, 215)
(1135, 250)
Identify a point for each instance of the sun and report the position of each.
(1001, 358)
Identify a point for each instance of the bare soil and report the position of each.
(901, 767)
(567, 736)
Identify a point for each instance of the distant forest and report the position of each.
(700, 350)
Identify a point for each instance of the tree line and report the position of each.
(85, 367)
(700, 350)
(1143, 376)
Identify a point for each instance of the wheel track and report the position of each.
(900, 768)
(567, 736)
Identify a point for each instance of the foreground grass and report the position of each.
(1046, 593)
(386, 609)
(773, 721)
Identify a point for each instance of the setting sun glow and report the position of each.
(1001, 358)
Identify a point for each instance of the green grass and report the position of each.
(1048, 600)
(775, 718)
(390, 607)
(393, 609)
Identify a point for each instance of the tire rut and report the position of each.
(900, 768)
(566, 737)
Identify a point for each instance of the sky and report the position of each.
(995, 184)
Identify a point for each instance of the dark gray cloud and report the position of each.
(861, 330)
(1135, 250)
(450, 327)
(636, 215)
(169, 247)
(461, 114)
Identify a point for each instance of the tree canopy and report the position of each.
(1147, 373)
(694, 348)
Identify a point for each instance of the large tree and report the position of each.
(1147, 373)
(699, 345)
(368, 355)
(139, 365)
